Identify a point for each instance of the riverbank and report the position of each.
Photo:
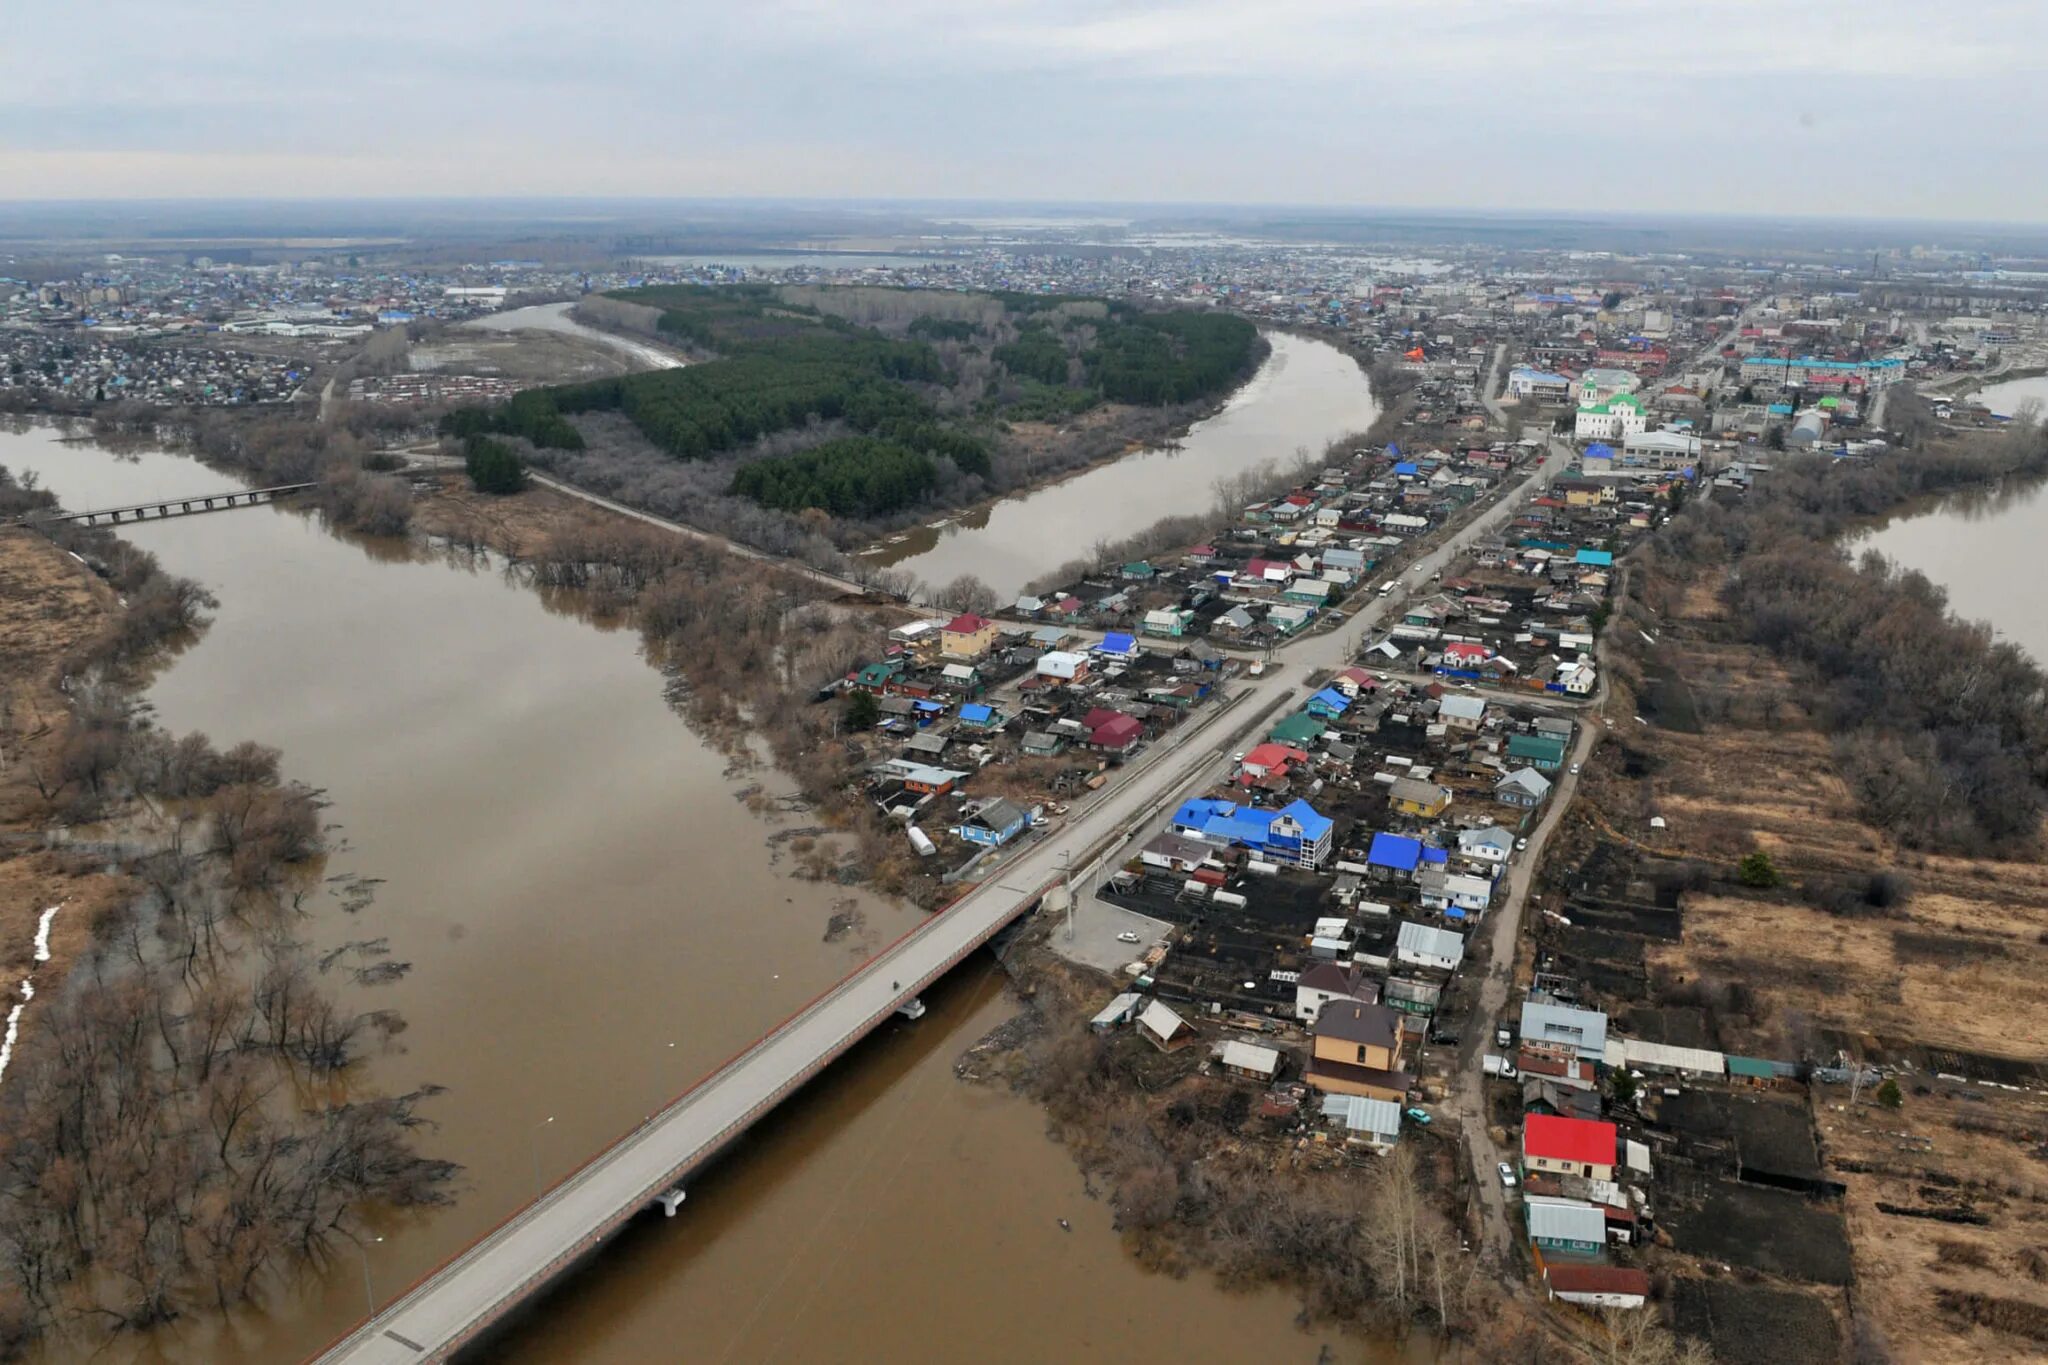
(186, 1131)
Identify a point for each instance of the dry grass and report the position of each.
(1908, 1157)
(1962, 964)
(50, 606)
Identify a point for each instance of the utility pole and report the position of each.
(1067, 887)
(369, 1296)
(533, 1138)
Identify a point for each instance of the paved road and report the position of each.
(1468, 1087)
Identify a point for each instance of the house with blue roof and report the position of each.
(1328, 704)
(1118, 645)
(1302, 833)
(1296, 833)
(1598, 558)
(981, 717)
(1393, 853)
(1405, 469)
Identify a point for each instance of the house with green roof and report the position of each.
(1612, 419)
(1545, 753)
(1300, 731)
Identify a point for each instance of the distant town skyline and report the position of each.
(1882, 108)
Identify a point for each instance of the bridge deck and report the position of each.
(461, 1298)
(184, 506)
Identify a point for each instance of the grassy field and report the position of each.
(1952, 976)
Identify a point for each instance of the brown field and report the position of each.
(49, 606)
(1962, 963)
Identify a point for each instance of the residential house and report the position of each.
(1164, 1029)
(1357, 1051)
(922, 777)
(1565, 1227)
(1327, 981)
(1299, 730)
(1328, 704)
(1167, 622)
(1043, 744)
(1545, 753)
(1462, 712)
(1176, 855)
(992, 823)
(1393, 855)
(1490, 845)
(1598, 1286)
(1063, 666)
(1523, 787)
(1425, 945)
(1412, 796)
(1249, 1060)
(1614, 419)
(1456, 895)
(1113, 732)
(981, 716)
(1366, 1122)
(1288, 617)
(1301, 834)
(1118, 645)
(968, 636)
(1563, 1031)
(1568, 1147)
(1269, 764)
(1546, 1095)
(1354, 682)
(1309, 592)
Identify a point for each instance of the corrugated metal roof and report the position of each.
(1565, 1220)
(1663, 1057)
(1543, 1022)
(1428, 940)
(1362, 1115)
(1250, 1057)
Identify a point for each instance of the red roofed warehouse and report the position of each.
(1568, 1146)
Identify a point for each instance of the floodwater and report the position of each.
(1307, 394)
(1977, 545)
(554, 317)
(593, 922)
(2004, 398)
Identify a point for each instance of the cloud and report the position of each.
(1504, 103)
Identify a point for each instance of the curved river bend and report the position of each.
(595, 920)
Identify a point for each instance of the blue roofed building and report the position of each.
(1118, 645)
(1328, 704)
(1297, 833)
(1598, 558)
(1394, 853)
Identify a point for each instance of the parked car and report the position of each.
(1576, 767)
(1420, 1116)
(1127, 937)
(1507, 1176)
(1521, 844)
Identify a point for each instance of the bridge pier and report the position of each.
(913, 1008)
(671, 1200)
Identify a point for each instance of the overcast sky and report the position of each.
(1881, 107)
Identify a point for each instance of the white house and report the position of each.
(1462, 712)
(1470, 894)
(1326, 981)
(1062, 665)
(1615, 419)
(1487, 845)
(1425, 945)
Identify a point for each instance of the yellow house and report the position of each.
(1358, 1051)
(968, 636)
(1412, 796)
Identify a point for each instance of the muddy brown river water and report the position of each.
(594, 920)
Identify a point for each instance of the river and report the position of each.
(593, 921)
(2005, 397)
(1978, 545)
(1307, 394)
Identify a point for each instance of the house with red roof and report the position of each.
(1269, 763)
(1568, 1146)
(1597, 1286)
(1113, 732)
(967, 636)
